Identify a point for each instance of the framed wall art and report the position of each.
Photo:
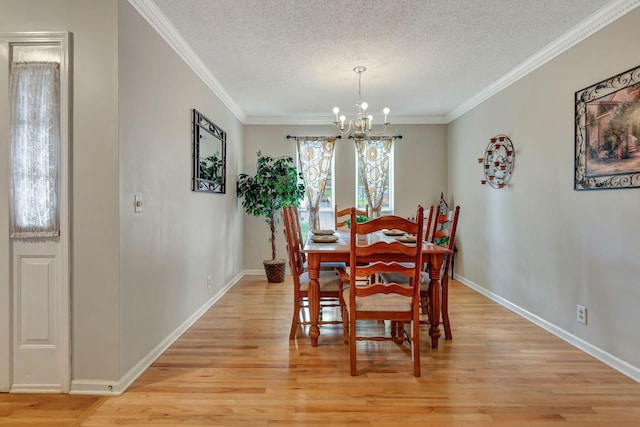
(209, 155)
(607, 132)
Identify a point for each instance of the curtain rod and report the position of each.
(340, 137)
(381, 136)
(294, 137)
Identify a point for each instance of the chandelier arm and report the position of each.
(379, 132)
(345, 130)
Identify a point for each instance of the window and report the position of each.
(35, 141)
(325, 211)
(387, 201)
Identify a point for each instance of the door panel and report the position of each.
(36, 354)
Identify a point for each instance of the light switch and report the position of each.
(137, 203)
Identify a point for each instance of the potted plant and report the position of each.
(359, 219)
(274, 185)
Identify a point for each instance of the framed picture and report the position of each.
(607, 131)
(209, 155)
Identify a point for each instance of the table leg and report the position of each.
(434, 298)
(314, 297)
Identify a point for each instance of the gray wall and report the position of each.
(539, 244)
(420, 173)
(181, 236)
(95, 220)
(135, 277)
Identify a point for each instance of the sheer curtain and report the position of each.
(373, 155)
(34, 95)
(315, 154)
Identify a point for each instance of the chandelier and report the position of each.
(363, 124)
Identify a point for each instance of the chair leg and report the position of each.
(295, 319)
(445, 309)
(415, 346)
(423, 304)
(397, 333)
(345, 325)
(352, 344)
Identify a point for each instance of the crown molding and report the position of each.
(600, 19)
(326, 120)
(159, 22)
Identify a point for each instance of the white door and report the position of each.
(34, 272)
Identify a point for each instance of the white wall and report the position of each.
(420, 173)
(539, 244)
(181, 236)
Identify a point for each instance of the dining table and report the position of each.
(339, 251)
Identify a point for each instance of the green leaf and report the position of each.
(274, 185)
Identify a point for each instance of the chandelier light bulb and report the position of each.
(386, 113)
(364, 107)
(370, 117)
(336, 110)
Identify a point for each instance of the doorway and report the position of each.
(34, 265)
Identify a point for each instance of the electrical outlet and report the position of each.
(208, 281)
(582, 314)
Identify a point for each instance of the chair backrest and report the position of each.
(296, 223)
(294, 246)
(342, 215)
(427, 224)
(379, 256)
(444, 227)
(444, 234)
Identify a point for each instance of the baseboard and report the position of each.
(254, 272)
(616, 363)
(115, 388)
(95, 388)
(36, 388)
(287, 272)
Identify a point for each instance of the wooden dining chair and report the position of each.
(444, 233)
(399, 303)
(330, 283)
(342, 215)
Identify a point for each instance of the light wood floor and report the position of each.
(236, 366)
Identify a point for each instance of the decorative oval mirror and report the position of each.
(209, 155)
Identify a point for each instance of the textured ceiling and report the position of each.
(291, 61)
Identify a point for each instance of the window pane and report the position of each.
(387, 200)
(325, 212)
(34, 144)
